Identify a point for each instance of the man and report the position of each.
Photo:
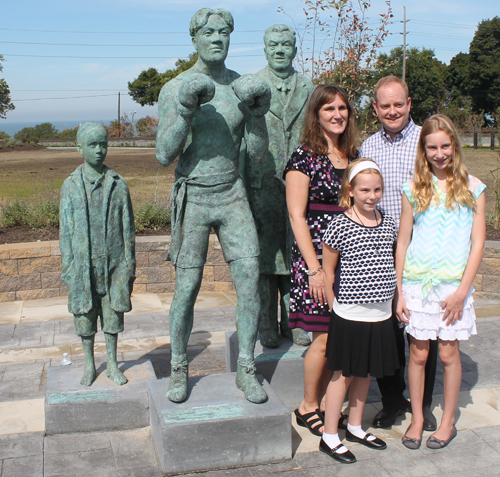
(394, 149)
(204, 114)
(290, 92)
(97, 241)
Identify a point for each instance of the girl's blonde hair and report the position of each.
(457, 177)
(345, 199)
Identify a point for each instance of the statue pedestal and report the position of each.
(217, 428)
(104, 406)
(282, 367)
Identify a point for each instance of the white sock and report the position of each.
(332, 441)
(358, 432)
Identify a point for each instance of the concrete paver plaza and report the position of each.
(34, 335)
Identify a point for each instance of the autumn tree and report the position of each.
(147, 126)
(146, 88)
(5, 101)
(337, 44)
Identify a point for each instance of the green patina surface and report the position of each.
(278, 355)
(205, 413)
(82, 396)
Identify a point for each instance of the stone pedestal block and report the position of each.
(282, 367)
(217, 428)
(104, 406)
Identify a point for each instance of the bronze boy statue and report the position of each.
(97, 241)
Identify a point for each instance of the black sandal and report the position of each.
(306, 420)
(343, 421)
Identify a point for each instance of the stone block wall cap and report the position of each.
(492, 244)
(153, 238)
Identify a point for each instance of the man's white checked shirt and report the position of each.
(396, 160)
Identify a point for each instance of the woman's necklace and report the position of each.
(377, 246)
(338, 157)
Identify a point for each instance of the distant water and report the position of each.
(12, 127)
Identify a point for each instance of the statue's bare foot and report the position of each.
(89, 376)
(297, 335)
(300, 337)
(178, 386)
(269, 338)
(116, 375)
(248, 383)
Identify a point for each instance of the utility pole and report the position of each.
(118, 114)
(404, 42)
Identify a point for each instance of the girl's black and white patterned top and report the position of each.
(367, 272)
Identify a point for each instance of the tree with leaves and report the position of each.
(5, 101)
(337, 43)
(146, 88)
(425, 77)
(40, 131)
(484, 67)
(147, 126)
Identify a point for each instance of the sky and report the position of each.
(67, 61)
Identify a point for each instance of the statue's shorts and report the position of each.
(111, 320)
(224, 208)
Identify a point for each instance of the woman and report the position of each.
(313, 177)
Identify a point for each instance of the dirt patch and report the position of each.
(23, 233)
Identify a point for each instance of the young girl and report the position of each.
(361, 341)
(440, 247)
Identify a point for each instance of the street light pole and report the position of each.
(133, 113)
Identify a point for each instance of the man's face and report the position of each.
(212, 40)
(392, 108)
(94, 147)
(280, 50)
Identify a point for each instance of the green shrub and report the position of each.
(34, 213)
(18, 143)
(151, 216)
(10, 143)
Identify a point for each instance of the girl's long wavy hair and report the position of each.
(345, 199)
(312, 135)
(457, 177)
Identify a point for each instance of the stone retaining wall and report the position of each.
(33, 270)
(30, 271)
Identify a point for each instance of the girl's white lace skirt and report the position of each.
(426, 315)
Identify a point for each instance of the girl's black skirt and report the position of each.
(360, 348)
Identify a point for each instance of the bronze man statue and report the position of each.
(97, 241)
(290, 92)
(204, 114)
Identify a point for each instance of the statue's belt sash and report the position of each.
(178, 203)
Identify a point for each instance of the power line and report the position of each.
(58, 90)
(119, 57)
(119, 32)
(108, 45)
(67, 97)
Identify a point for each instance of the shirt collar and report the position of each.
(400, 136)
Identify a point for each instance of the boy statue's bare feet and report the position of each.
(89, 375)
(114, 373)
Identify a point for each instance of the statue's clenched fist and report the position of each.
(254, 92)
(194, 91)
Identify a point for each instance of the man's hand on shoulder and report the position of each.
(254, 92)
(194, 91)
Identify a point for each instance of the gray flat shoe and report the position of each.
(434, 443)
(411, 442)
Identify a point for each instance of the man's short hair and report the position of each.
(280, 29)
(200, 19)
(85, 128)
(387, 80)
